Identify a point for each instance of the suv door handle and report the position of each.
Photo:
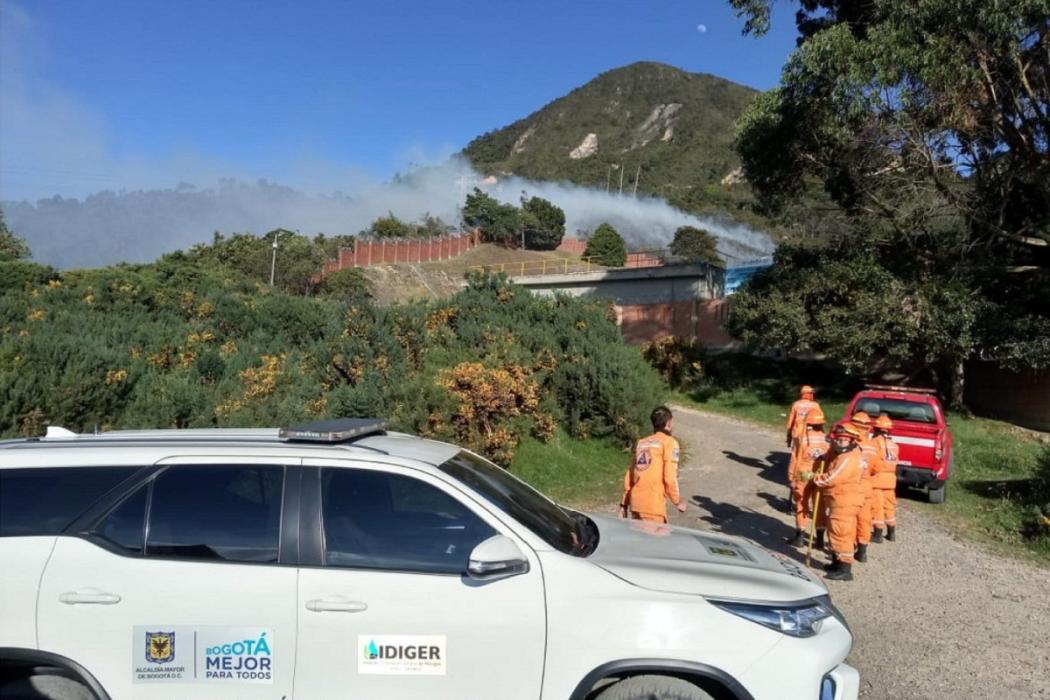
(88, 596)
(335, 605)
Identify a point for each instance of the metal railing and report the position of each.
(564, 266)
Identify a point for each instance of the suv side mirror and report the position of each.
(496, 557)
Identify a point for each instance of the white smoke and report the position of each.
(139, 226)
(131, 209)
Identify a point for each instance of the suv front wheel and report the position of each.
(653, 688)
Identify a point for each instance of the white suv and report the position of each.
(339, 560)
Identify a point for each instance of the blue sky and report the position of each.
(116, 94)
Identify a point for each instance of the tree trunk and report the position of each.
(958, 385)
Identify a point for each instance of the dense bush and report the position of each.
(606, 247)
(679, 362)
(196, 343)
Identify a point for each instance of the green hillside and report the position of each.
(678, 127)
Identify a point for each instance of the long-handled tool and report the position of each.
(816, 514)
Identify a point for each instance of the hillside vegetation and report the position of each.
(678, 127)
(197, 343)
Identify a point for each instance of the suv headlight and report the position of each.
(802, 619)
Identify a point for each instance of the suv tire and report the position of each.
(653, 688)
(938, 495)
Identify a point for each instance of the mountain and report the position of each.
(677, 127)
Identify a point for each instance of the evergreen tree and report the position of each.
(606, 247)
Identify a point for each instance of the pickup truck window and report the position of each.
(897, 409)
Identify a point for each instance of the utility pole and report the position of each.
(273, 261)
(636, 175)
(621, 180)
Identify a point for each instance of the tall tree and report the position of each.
(544, 223)
(606, 247)
(695, 245)
(11, 246)
(498, 222)
(928, 123)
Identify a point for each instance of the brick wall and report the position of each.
(401, 251)
(701, 320)
(1019, 397)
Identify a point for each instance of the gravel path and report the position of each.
(932, 616)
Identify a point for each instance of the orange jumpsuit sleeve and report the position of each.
(671, 453)
(792, 415)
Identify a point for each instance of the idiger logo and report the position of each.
(402, 655)
(236, 654)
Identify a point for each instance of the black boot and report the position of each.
(876, 535)
(797, 540)
(819, 544)
(842, 573)
(891, 533)
(862, 553)
(834, 564)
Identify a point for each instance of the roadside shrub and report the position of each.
(680, 363)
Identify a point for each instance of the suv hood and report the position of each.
(680, 560)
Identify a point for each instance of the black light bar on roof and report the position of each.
(335, 430)
(905, 389)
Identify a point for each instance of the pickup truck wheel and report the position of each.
(938, 495)
(653, 688)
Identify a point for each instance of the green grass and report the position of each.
(993, 492)
(578, 473)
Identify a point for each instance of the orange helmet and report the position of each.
(883, 422)
(862, 420)
(807, 390)
(815, 417)
(847, 430)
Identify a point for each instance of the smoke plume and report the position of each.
(139, 226)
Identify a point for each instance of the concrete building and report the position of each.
(651, 302)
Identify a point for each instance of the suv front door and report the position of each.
(387, 610)
(178, 591)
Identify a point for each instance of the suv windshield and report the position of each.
(564, 530)
(897, 409)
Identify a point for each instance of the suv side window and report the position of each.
(43, 501)
(378, 520)
(231, 513)
(125, 526)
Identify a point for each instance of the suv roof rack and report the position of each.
(334, 430)
(905, 389)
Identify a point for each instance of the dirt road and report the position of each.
(932, 616)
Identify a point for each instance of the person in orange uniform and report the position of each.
(840, 490)
(884, 480)
(796, 422)
(812, 445)
(653, 474)
(865, 516)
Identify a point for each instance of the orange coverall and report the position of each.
(652, 476)
(885, 481)
(796, 424)
(840, 489)
(866, 514)
(811, 447)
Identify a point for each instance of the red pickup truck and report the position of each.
(919, 427)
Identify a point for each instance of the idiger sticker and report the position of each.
(401, 655)
(186, 654)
